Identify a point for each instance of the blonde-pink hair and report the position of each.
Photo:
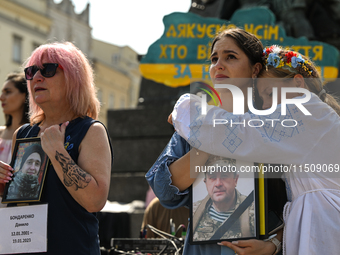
(80, 88)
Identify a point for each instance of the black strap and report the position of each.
(236, 215)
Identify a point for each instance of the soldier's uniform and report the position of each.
(204, 227)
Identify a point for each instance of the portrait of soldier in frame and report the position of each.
(29, 162)
(223, 203)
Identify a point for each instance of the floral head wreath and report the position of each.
(280, 58)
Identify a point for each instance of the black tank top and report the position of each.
(70, 228)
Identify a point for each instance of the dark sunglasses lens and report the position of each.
(30, 72)
(49, 70)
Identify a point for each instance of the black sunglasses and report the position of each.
(48, 70)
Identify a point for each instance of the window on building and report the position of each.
(17, 49)
(111, 101)
(122, 103)
(116, 58)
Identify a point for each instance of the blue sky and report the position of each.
(135, 23)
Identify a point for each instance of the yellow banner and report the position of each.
(175, 75)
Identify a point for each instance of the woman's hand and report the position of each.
(170, 119)
(53, 138)
(251, 247)
(5, 175)
(183, 172)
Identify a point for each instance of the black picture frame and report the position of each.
(275, 197)
(243, 225)
(28, 175)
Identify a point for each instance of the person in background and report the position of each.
(159, 217)
(63, 113)
(150, 195)
(14, 102)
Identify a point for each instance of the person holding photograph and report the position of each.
(14, 102)
(312, 214)
(235, 53)
(211, 213)
(63, 109)
(25, 182)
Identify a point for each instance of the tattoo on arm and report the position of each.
(73, 174)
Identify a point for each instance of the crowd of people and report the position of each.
(62, 102)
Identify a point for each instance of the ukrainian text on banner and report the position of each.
(182, 53)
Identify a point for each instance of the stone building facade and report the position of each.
(24, 25)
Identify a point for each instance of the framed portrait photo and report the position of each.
(30, 163)
(224, 202)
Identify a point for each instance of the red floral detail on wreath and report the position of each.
(289, 56)
(270, 49)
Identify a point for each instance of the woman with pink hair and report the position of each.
(63, 109)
